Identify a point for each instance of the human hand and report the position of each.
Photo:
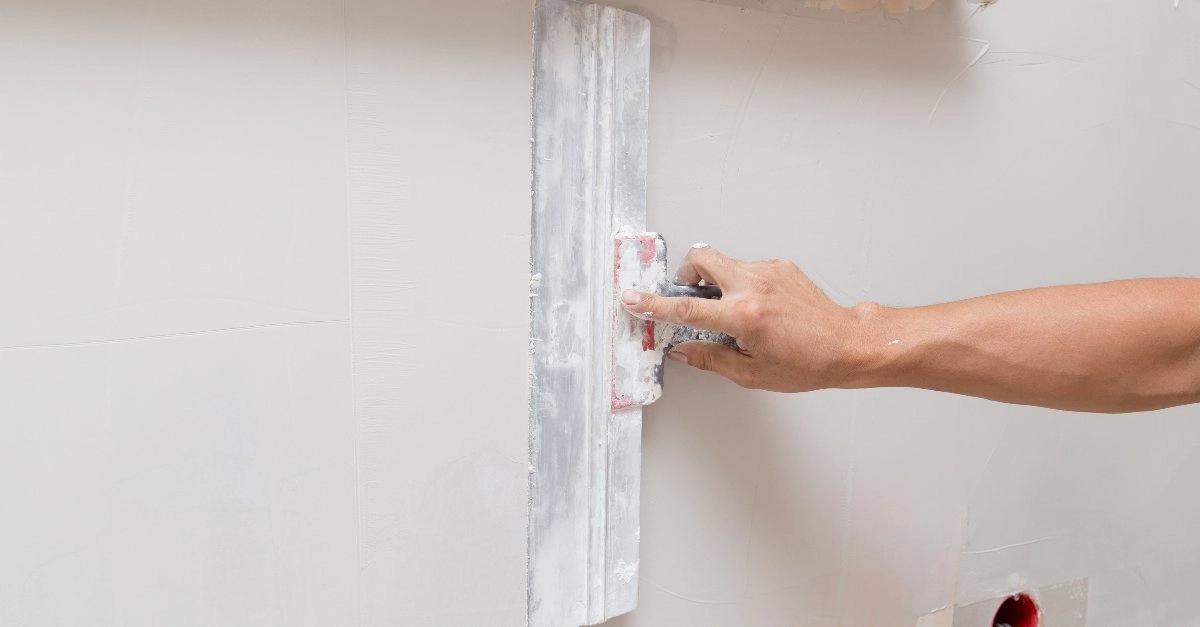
(792, 338)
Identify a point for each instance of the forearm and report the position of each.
(1108, 347)
(1111, 347)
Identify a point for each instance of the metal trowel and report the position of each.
(593, 364)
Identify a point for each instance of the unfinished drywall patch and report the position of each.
(1059, 605)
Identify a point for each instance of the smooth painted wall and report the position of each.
(872, 151)
(263, 312)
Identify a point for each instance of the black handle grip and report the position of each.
(694, 291)
(683, 333)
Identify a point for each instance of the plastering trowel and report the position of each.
(593, 364)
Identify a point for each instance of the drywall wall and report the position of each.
(263, 334)
(934, 156)
(263, 321)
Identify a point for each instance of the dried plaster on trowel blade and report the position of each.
(637, 347)
(590, 113)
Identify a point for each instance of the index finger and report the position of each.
(703, 262)
(698, 313)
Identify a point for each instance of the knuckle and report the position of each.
(713, 257)
(702, 258)
(751, 313)
(685, 309)
(697, 255)
(786, 265)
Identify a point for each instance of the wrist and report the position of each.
(876, 349)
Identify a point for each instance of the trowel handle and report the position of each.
(694, 291)
(680, 333)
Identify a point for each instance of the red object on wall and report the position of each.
(1018, 610)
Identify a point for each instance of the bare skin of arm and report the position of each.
(1109, 347)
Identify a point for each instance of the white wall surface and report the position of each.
(263, 320)
(263, 313)
(1069, 152)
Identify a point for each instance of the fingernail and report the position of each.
(678, 356)
(630, 297)
(699, 245)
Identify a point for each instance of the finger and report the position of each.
(716, 358)
(698, 313)
(703, 262)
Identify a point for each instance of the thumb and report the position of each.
(714, 357)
